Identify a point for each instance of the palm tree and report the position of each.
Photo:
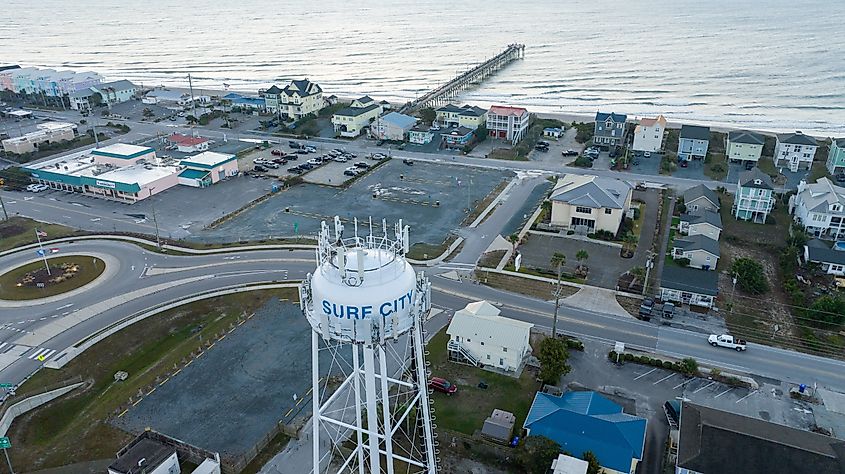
(558, 260)
(513, 239)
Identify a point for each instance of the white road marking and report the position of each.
(42, 319)
(682, 384)
(664, 378)
(65, 306)
(702, 388)
(96, 219)
(643, 375)
(12, 202)
(726, 391)
(749, 394)
(28, 198)
(3, 345)
(37, 353)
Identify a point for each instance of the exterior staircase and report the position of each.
(457, 347)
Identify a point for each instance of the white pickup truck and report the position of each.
(728, 341)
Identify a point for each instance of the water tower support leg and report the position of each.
(372, 409)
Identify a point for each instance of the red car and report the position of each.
(442, 385)
(276, 152)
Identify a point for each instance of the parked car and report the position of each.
(840, 178)
(276, 152)
(37, 188)
(306, 166)
(334, 153)
(350, 155)
(362, 165)
(350, 172)
(646, 154)
(294, 170)
(291, 157)
(294, 145)
(280, 161)
(726, 340)
(569, 152)
(408, 162)
(341, 159)
(310, 149)
(541, 147)
(301, 151)
(442, 385)
(646, 307)
(315, 162)
(684, 163)
(259, 168)
(377, 156)
(260, 161)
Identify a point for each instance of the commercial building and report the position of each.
(187, 144)
(820, 208)
(754, 196)
(795, 151)
(109, 93)
(648, 134)
(689, 286)
(586, 421)
(207, 168)
(507, 123)
(590, 203)
(609, 129)
(479, 336)
(351, 121)
(392, 126)
(744, 146)
(716, 441)
(693, 141)
(245, 102)
(147, 456)
(48, 132)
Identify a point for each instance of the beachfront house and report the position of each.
(507, 123)
(109, 93)
(689, 286)
(420, 134)
(820, 208)
(836, 156)
(581, 421)
(271, 98)
(795, 151)
(467, 116)
(700, 197)
(609, 129)
(480, 336)
(648, 134)
(742, 146)
(701, 251)
(244, 102)
(693, 141)
(392, 126)
(301, 98)
(754, 200)
(589, 203)
(349, 122)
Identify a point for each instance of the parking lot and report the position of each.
(432, 198)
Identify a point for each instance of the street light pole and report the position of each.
(155, 218)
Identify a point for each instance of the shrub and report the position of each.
(574, 344)
(612, 355)
(684, 262)
(715, 373)
(689, 366)
(668, 364)
(750, 276)
(628, 356)
(826, 311)
(583, 162)
(536, 453)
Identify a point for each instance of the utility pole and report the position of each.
(193, 104)
(648, 264)
(733, 291)
(155, 218)
(2, 204)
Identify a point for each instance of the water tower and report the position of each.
(366, 306)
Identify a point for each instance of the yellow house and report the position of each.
(300, 98)
(590, 203)
(467, 116)
(352, 120)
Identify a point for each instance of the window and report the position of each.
(482, 343)
(608, 210)
(469, 340)
(501, 361)
(583, 210)
(504, 349)
(488, 356)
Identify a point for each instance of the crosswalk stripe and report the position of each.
(49, 354)
(3, 345)
(37, 353)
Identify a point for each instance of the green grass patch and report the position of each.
(818, 170)
(425, 251)
(716, 166)
(88, 269)
(767, 166)
(18, 231)
(676, 221)
(75, 428)
(466, 411)
(265, 455)
(506, 154)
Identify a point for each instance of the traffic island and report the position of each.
(54, 276)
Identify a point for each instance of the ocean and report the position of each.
(763, 64)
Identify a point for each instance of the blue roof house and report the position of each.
(586, 421)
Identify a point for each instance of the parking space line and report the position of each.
(643, 375)
(683, 383)
(726, 391)
(749, 394)
(702, 388)
(664, 378)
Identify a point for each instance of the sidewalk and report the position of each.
(599, 300)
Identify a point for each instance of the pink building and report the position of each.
(122, 154)
(207, 168)
(507, 123)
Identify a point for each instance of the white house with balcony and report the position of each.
(820, 208)
(795, 151)
(479, 336)
(507, 123)
(753, 201)
(648, 134)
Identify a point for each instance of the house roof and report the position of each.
(711, 438)
(356, 111)
(797, 138)
(186, 140)
(699, 191)
(232, 95)
(121, 85)
(504, 110)
(744, 136)
(302, 88)
(84, 93)
(274, 90)
(820, 195)
(591, 191)
(151, 452)
(703, 216)
(748, 179)
(698, 242)
(650, 122)
(817, 251)
(472, 111)
(481, 320)
(693, 280)
(586, 421)
(399, 120)
(602, 117)
(420, 127)
(695, 132)
(458, 132)
(365, 100)
(839, 142)
(451, 108)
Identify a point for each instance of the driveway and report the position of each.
(565, 142)
(650, 165)
(694, 170)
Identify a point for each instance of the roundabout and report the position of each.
(37, 280)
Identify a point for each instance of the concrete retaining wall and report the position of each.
(34, 401)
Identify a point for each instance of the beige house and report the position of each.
(353, 120)
(467, 116)
(706, 223)
(702, 251)
(700, 197)
(743, 146)
(479, 336)
(590, 203)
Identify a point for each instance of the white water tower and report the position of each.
(366, 306)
